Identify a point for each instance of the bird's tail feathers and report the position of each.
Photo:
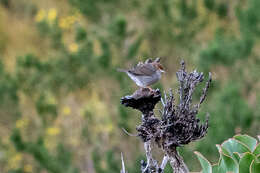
(121, 70)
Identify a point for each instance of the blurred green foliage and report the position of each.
(59, 101)
(57, 163)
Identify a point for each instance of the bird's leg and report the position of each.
(144, 89)
(147, 88)
(150, 88)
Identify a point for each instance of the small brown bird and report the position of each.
(145, 74)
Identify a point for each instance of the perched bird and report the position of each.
(145, 74)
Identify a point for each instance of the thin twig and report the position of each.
(128, 132)
(123, 164)
(164, 162)
(162, 102)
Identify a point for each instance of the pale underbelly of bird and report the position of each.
(144, 81)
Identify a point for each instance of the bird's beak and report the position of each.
(162, 71)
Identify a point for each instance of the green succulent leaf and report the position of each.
(228, 163)
(258, 157)
(234, 155)
(255, 167)
(257, 150)
(237, 156)
(221, 166)
(233, 145)
(206, 166)
(249, 141)
(240, 154)
(221, 149)
(215, 169)
(245, 162)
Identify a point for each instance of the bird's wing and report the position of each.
(143, 70)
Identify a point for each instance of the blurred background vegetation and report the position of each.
(60, 91)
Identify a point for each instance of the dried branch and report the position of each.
(178, 125)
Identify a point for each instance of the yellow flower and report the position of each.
(22, 123)
(51, 100)
(66, 110)
(63, 24)
(28, 168)
(40, 15)
(73, 47)
(14, 161)
(52, 14)
(109, 127)
(18, 157)
(67, 22)
(53, 131)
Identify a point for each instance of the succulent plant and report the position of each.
(240, 154)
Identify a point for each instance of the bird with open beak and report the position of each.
(145, 74)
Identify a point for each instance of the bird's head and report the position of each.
(158, 65)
